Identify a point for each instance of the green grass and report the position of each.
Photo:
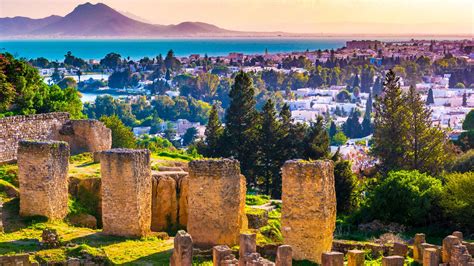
(255, 200)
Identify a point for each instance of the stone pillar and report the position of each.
(126, 192)
(284, 256)
(355, 258)
(183, 250)
(393, 261)
(400, 249)
(222, 255)
(459, 235)
(430, 257)
(417, 249)
(309, 208)
(247, 246)
(42, 172)
(216, 202)
(332, 258)
(448, 243)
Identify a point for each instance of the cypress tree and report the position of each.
(352, 127)
(268, 158)
(377, 88)
(430, 99)
(316, 141)
(426, 144)
(241, 124)
(464, 100)
(390, 125)
(332, 129)
(367, 127)
(213, 133)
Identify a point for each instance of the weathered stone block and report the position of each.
(247, 246)
(126, 192)
(332, 259)
(459, 235)
(42, 174)
(284, 256)
(183, 250)
(393, 261)
(309, 208)
(448, 243)
(400, 249)
(86, 135)
(417, 249)
(459, 255)
(430, 257)
(355, 258)
(164, 212)
(15, 260)
(216, 202)
(219, 254)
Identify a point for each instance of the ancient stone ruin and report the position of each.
(183, 250)
(86, 135)
(126, 192)
(216, 202)
(169, 199)
(42, 173)
(82, 135)
(309, 208)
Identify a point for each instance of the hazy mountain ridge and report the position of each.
(100, 20)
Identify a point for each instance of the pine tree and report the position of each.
(390, 125)
(430, 99)
(269, 136)
(241, 125)
(316, 141)
(426, 144)
(213, 133)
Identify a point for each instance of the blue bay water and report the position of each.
(136, 49)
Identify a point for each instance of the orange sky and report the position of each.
(302, 16)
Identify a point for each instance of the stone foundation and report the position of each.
(216, 202)
(126, 192)
(42, 174)
(309, 208)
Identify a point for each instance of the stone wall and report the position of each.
(309, 208)
(216, 202)
(15, 260)
(82, 135)
(42, 174)
(37, 127)
(126, 192)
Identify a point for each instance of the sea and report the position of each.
(54, 49)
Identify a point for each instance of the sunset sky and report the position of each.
(299, 16)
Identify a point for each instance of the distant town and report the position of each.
(335, 84)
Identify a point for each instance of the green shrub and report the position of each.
(406, 197)
(463, 163)
(458, 198)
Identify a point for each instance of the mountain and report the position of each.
(99, 20)
(24, 25)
